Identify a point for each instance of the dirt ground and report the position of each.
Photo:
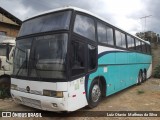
(145, 97)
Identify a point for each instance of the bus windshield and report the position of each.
(45, 23)
(45, 58)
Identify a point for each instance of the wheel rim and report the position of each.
(96, 93)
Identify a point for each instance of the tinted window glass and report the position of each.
(110, 36)
(105, 34)
(138, 45)
(84, 26)
(53, 21)
(130, 41)
(3, 49)
(91, 57)
(143, 47)
(49, 56)
(22, 53)
(77, 58)
(148, 49)
(120, 39)
(102, 36)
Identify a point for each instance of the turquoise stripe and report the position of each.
(122, 69)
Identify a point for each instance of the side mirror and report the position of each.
(7, 52)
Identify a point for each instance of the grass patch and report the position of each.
(156, 73)
(140, 92)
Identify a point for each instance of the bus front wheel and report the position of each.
(95, 93)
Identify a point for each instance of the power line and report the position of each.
(145, 20)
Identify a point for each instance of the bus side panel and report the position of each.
(103, 67)
(120, 69)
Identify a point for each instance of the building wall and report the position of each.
(8, 26)
(6, 20)
(10, 30)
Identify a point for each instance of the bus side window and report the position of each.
(148, 49)
(138, 45)
(101, 30)
(130, 41)
(120, 39)
(105, 34)
(85, 27)
(92, 57)
(77, 58)
(143, 47)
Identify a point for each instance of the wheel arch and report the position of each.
(141, 70)
(100, 80)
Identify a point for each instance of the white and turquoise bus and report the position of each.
(69, 58)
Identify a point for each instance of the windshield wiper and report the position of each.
(22, 66)
(25, 61)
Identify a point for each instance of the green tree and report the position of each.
(156, 73)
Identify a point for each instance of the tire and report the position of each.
(144, 76)
(140, 78)
(95, 93)
(5, 83)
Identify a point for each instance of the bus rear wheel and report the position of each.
(140, 77)
(144, 76)
(95, 93)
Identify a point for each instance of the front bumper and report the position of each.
(39, 101)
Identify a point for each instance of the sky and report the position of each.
(125, 14)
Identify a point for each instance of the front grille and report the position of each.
(31, 102)
(36, 92)
(22, 89)
(32, 91)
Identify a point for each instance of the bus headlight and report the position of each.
(58, 94)
(14, 87)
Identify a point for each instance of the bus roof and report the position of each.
(84, 11)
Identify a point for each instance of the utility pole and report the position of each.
(145, 17)
(157, 38)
